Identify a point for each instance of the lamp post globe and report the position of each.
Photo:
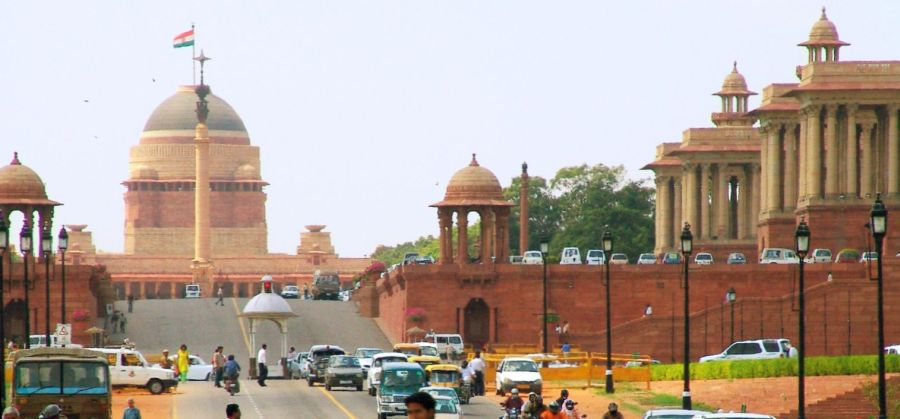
(878, 224)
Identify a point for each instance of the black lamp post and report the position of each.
(25, 246)
(802, 235)
(46, 252)
(4, 244)
(63, 246)
(879, 229)
(545, 248)
(731, 295)
(607, 250)
(687, 246)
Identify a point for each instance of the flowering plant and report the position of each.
(80, 315)
(415, 314)
(376, 267)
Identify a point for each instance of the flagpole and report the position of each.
(194, 54)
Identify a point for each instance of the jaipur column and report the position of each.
(852, 153)
(893, 149)
(664, 195)
(764, 163)
(462, 226)
(705, 215)
(691, 194)
(801, 157)
(445, 219)
(677, 207)
(867, 180)
(487, 234)
(773, 168)
(722, 181)
(743, 207)
(832, 171)
(814, 152)
(792, 137)
(755, 196)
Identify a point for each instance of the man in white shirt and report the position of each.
(477, 365)
(263, 369)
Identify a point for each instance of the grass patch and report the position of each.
(653, 400)
(779, 367)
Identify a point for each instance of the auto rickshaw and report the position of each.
(425, 361)
(407, 349)
(448, 375)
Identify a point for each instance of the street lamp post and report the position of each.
(46, 252)
(25, 245)
(687, 244)
(4, 244)
(63, 246)
(802, 236)
(607, 250)
(879, 229)
(731, 295)
(545, 248)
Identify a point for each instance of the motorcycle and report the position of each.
(511, 413)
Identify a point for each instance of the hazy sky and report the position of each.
(364, 109)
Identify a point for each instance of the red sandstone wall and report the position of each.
(176, 208)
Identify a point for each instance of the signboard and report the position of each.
(64, 333)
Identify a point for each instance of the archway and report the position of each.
(477, 322)
(14, 321)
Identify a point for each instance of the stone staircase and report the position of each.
(851, 405)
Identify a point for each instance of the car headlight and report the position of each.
(359, 375)
(506, 380)
(387, 399)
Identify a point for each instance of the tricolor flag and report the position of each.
(185, 39)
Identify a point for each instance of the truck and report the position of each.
(77, 380)
(326, 285)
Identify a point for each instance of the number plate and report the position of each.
(346, 381)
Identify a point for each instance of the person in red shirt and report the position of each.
(553, 412)
(513, 401)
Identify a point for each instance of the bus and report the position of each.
(75, 379)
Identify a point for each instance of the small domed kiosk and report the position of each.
(267, 305)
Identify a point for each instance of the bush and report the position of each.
(779, 367)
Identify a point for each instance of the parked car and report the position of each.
(290, 291)
(452, 342)
(672, 414)
(892, 350)
(318, 362)
(646, 259)
(736, 258)
(425, 260)
(819, 256)
(40, 341)
(373, 379)
(772, 255)
(516, 260)
(518, 372)
(128, 368)
(198, 370)
(299, 366)
(618, 259)
(752, 349)
(570, 256)
(532, 257)
(364, 355)
(671, 258)
(192, 291)
(595, 257)
(868, 257)
(847, 256)
(410, 258)
(343, 371)
(703, 258)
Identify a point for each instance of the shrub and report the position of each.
(779, 367)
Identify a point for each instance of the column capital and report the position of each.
(867, 125)
(662, 179)
(754, 167)
(811, 110)
(892, 107)
(851, 108)
(831, 109)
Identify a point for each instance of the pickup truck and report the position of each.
(128, 368)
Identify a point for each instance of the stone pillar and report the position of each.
(462, 243)
(773, 168)
(523, 210)
(867, 180)
(664, 201)
(201, 265)
(814, 152)
(832, 171)
(764, 152)
(792, 135)
(755, 197)
(801, 158)
(445, 220)
(893, 150)
(487, 234)
(705, 215)
(743, 207)
(691, 195)
(677, 207)
(501, 234)
(722, 182)
(852, 180)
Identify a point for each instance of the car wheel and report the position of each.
(500, 391)
(372, 391)
(155, 386)
(382, 416)
(207, 376)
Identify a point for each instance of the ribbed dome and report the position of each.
(178, 112)
(473, 185)
(20, 184)
(734, 84)
(823, 33)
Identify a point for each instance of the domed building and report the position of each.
(159, 201)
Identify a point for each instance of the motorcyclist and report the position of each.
(570, 410)
(232, 371)
(534, 407)
(613, 412)
(513, 401)
(563, 396)
(553, 412)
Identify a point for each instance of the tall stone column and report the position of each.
(852, 153)
(801, 158)
(867, 180)
(691, 195)
(792, 137)
(523, 210)
(832, 170)
(773, 168)
(664, 198)
(677, 206)
(501, 234)
(705, 216)
(743, 207)
(487, 233)
(202, 247)
(462, 243)
(755, 196)
(722, 183)
(764, 151)
(893, 150)
(445, 220)
(814, 151)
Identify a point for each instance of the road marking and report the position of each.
(336, 403)
(237, 312)
(253, 402)
(174, 413)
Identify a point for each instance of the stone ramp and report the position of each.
(851, 404)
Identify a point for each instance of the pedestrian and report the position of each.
(305, 291)
(233, 411)
(183, 362)
(263, 369)
(164, 361)
(218, 362)
(563, 396)
(648, 310)
(221, 295)
(115, 321)
(613, 412)
(565, 329)
(477, 366)
(122, 322)
(792, 351)
(566, 348)
(130, 303)
(131, 412)
(10, 413)
(420, 406)
(292, 354)
(52, 411)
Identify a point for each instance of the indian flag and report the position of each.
(185, 39)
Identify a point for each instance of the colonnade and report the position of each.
(494, 240)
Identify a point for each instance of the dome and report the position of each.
(267, 304)
(823, 33)
(734, 84)
(21, 185)
(246, 172)
(178, 113)
(142, 172)
(473, 185)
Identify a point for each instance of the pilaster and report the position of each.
(852, 180)
(832, 170)
(705, 215)
(893, 150)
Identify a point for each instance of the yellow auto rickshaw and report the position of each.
(424, 361)
(448, 375)
(410, 349)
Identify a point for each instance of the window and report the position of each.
(131, 360)
(61, 377)
(751, 348)
(455, 340)
(771, 346)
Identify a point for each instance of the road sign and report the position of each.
(64, 333)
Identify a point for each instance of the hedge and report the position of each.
(779, 367)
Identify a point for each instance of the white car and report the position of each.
(752, 349)
(128, 367)
(819, 256)
(772, 255)
(198, 370)
(364, 355)
(532, 257)
(570, 256)
(595, 257)
(868, 257)
(290, 291)
(892, 350)
(373, 378)
(192, 291)
(733, 416)
(445, 342)
(703, 258)
(673, 414)
(446, 408)
(618, 259)
(518, 372)
(646, 259)
(447, 392)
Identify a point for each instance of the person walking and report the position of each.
(613, 412)
(130, 303)
(263, 369)
(477, 366)
(218, 362)
(305, 291)
(122, 322)
(221, 295)
(131, 412)
(183, 363)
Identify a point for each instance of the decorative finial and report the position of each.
(202, 59)
(474, 161)
(15, 159)
(823, 17)
(202, 90)
(734, 69)
(524, 168)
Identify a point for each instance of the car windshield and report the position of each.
(737, 256)
(430, 351)
(385, 360)
(442, 391)
(445, 406)
(527, 366)
(704, 256)
(532, 254)
(61, 377)
(367, 353)
(327, 353)
(404, 379)
(647, 256)
(344, 361)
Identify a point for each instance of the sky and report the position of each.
(363, 110)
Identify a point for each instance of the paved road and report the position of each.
(201, 325)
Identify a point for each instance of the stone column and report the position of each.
(677, 207)
(722, 179)
(867, 180)
(814, 152)
(893, 150)
(501, 235)
(664, 196)
(791, 138)
(487, 233)
(755, 197)
(523, 210)
(445, 220)
(462, 243)
(764, 151)
(691, 195)
(705, 215)
(743, 207)
(801, 158)
(773, 168)
(659, 232)
(832, 171)
(851, 187)
(202, 248)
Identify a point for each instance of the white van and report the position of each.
(444, 341)
(570, 256)
(772, 255)
(595, 257)
(128, 367)
(192, 291)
